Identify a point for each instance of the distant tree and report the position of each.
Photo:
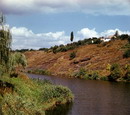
(71, 36)
(116, 34)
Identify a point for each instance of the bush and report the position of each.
(32, 97)
(116, 72)
(39, 71)
(80, 73)
(72, 55)
(126, 54)
(51, 92)
(104, 78)
(124, 36)
(127, 74)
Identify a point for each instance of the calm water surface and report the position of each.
(93, 97)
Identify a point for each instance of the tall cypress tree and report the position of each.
(71, 36)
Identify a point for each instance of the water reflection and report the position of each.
(60, 110)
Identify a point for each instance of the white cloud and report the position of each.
(88, 33)
(24, 38)
(112, 32)
(106, 7)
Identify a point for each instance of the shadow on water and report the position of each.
(60, 109)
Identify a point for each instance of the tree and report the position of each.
(71, 36)
(17, 59)
(116, 34)
(5, 44)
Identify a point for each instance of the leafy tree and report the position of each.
(5, 44)
(71, 36)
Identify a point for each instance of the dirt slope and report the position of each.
(92, 57)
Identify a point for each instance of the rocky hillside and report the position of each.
(95, 57)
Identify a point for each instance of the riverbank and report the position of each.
(93, 97)
(21, 95)
(95, 59)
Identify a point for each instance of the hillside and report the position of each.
(93, 57)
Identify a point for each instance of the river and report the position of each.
(94, 97)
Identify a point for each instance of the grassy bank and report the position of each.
(22, 96)
(39, 71)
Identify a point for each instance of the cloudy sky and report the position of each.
(44, 23)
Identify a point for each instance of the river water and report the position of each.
(93, 97)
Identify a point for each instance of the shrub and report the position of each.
(80, 73)
(32, 97)
(72, 55)
(127, 74)
(39, 71)
(126, 54)
(86, 77)
(94, 76)
(104, 78)
(51, 92)
(116, 72)
(124, 36)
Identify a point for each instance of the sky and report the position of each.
(36, 24)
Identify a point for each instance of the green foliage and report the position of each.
(5, 42)
(116, 34)
(127, 74)
(39, 71)
(126, 46)
(72, 55)
(64, 48)
(71, 36)
(91, 76)
(126, 53)
(124, 37)
(17, 59)
(116, 72)
(30, 97)
(80, 73)
(53, 92)
(104, 78)
(108, 67)
(88, 75)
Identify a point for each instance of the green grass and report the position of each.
(30, 97)
(39, 71)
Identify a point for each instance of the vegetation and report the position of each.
(126, 53)
(71, 46)
(88, 75)
(127, 74)
(27, 97)
(39, 71)
(20, 95)
(72, 55)
(116, 72)
(71, 36)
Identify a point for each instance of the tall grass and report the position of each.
(32, 97)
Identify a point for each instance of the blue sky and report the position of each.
(45, 23)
